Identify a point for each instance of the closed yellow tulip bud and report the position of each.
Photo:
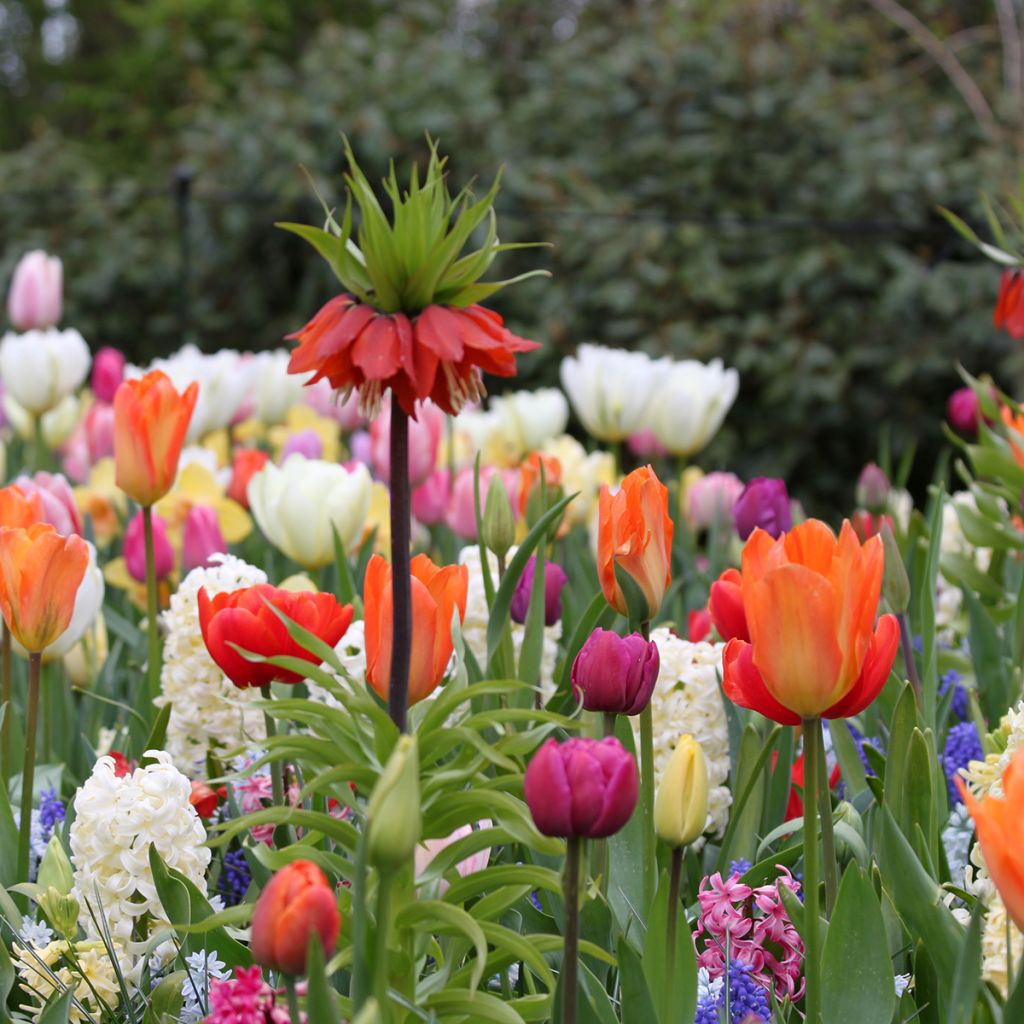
(681, 805)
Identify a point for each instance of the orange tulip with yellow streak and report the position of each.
(18, 509)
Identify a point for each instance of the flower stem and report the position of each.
(281, 836)
(672, 924)
(907, 645)
(380, 954)
(602, 860)
(811, 936)
(570, 955)
(28, 772)
(152, 606)
(401, 586)
(293, 999)
(7, 699)
(828, 839)
(39, 459)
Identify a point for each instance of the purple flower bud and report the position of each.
(615, 673)
(763, 503)
(581, 788)
(554, 579)
(963, 411)
(873, 489)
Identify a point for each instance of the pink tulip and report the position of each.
(107, 373)
(59, 506)
(430, 848)
(644, 444)
(461, 515)
(430, 499)
(963, 410)
(361, 448)
(135, 548)
(712, 497)
(35, 300)
(99, 431)
(305, 442)
(581, 788)
(202, 538)
(425, 433)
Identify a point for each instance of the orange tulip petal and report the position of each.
(744, 685)
(811, 544)
(874, 672)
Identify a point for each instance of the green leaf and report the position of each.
(856, 972)
(471, 1006)
(157, 735)
(6, 981)
(165, 1000)
(436, 916)
(8, 842)
(964, 991)
(321, 1007)
(57, 1009)
(637, 1005)
(672, 985)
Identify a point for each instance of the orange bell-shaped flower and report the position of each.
(635, 533)
(150, 422)
(810, 603)
(40, 572)
(437, 591)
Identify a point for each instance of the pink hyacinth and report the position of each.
(755, 926)
(245, 999)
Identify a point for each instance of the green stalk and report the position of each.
(281, 832)
(7, 699)
(570, 954)
(811, 936)
(828, 839)
(602, 863)
(380, 953)
(152, 607)
(28, 771)
(39, 459)
(672, 924)
(293, 999)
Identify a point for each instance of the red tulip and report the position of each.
(247, 618)
(247, 463)
(1009, 311)
(296, 904)
(726, 606)
(698, 625)
(581, 788)
(203, 798)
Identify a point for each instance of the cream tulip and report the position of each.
(532, 417)
(681, 805)
(299, 504)
(39, 369)
(690, 403)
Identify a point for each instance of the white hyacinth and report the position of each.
(208, 712)
(687, 700)
(117, 819)
(351, 652)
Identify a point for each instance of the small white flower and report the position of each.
(902, 982)
(202, 967)
(36, 933)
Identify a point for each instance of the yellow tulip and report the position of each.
(681, 805)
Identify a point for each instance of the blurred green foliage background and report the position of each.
(750, 179)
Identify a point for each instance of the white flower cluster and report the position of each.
(117, 819)
(208, 712)
(351, 652)
(202, 968)
(687, 700)
(474, 626)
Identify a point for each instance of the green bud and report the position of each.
(499, 525)
(61, 911)
(55, 868)
(393, 814)
(895, 585)
(846, 812)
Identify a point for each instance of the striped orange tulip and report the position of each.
(998, 824)
(40, 572)
(150, 422)
(810, 602)
(19, 508)
(437, 591)
(635, 533)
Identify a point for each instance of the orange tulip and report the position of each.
(437, 591)
(529, 476)
(998, 824)
(40, 572)
(810, 603)
(1014, 423)
(18, 509)
(150, 422)
(635, 533)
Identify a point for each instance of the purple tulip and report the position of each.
(107, 373)
(873, 489)
(135, 549)
(615, 673)
(202, 538)
(554, 579)
(581, 788)
(963, 411)
(763, 503)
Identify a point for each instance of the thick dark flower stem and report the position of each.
(152, 606)
(570, 955)
(811, 934)
(6, 698)
(35, 661)
(401, 587)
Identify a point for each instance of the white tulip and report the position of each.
(532, 417)
(39, 369)
(297, 504)
(58, 424)
(610, 389)
(690, 404)
(275, 391)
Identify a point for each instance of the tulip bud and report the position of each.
(85, 660)
(296, 904)
(895, 585)
(964, 411)
(35, 300)
(107, 373)
(554, 580)
(848, 815)
(202, 538)
(393, 812)
(873, 489)
(135, 549)
(681, 805)
(61, 911)
(615, 674)
(55, 868)
(499, 527)
(763, 503)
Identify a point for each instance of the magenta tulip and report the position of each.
(107, 373)
(964, 411)
(430, 499)
(554, 580)
(202, 538)
(615, 674)
(764, 503)
(581, 788)
(135, 549)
